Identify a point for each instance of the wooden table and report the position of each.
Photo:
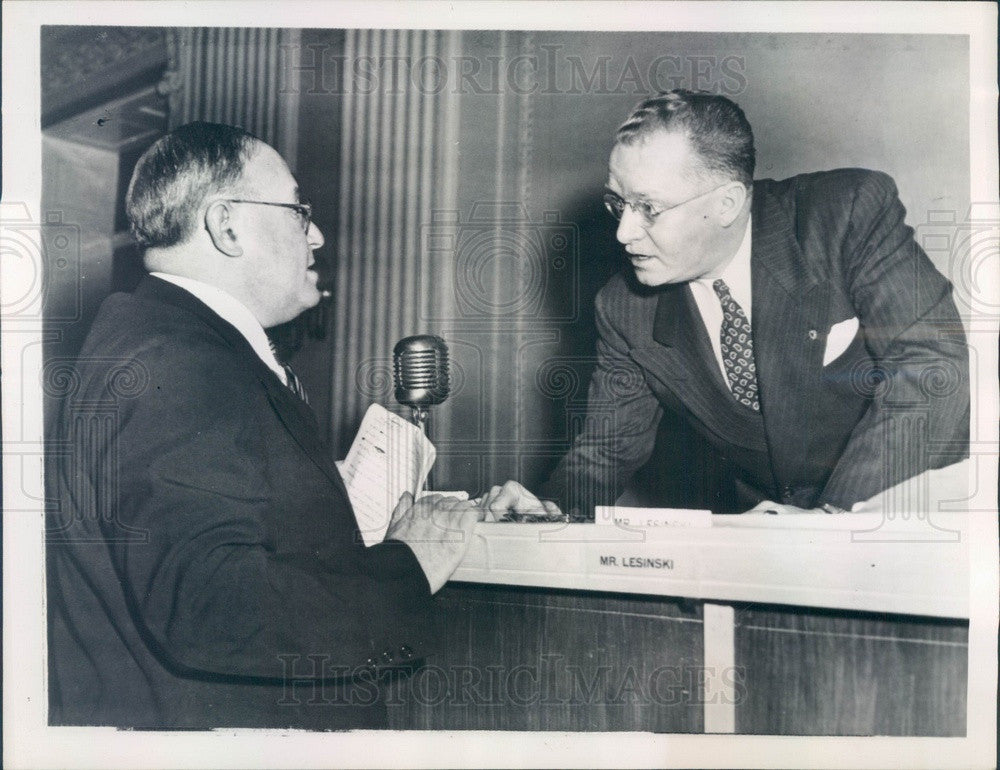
(808, 625)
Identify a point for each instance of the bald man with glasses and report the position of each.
(795, 325)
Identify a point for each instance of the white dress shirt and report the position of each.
(234, 312)
(737, 278)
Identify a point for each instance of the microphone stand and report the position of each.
(419, 417)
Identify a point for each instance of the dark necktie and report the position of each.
(294, 383)
(737, 349)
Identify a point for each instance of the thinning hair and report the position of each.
(715, 127)
(177, 173)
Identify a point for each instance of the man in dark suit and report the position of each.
(204, 564)
(794, 324)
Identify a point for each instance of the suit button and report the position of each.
(405, 652)
(387, 657)
(371, 665)
(787, 494)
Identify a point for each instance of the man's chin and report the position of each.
(311, 295)
(305, 304)
(649, 276)
(312, 302)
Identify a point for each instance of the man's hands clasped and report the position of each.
(438, 528)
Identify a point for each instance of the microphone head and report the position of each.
(420, 370)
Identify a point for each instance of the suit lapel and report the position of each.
(686, 364)
(300, 420)
(788, 307)
(294, 414)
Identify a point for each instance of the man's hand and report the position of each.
(769, 506)
(438, 530)
(514, 498)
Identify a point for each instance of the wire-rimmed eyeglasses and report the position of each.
(648, 211)
(303, 209)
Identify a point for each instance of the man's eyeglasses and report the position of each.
(303, 209)
(648, 211)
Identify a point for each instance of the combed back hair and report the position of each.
(177, 173)
(714, 125)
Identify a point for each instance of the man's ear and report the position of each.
(221, 229)
(734, 196)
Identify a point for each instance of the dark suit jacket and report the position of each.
(204, 564)
(826, 247)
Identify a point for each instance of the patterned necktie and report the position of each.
(737, 348)
(294, 383)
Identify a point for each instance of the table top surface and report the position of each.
(906, 564)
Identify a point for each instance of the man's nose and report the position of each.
(314, 236)
(629, 227)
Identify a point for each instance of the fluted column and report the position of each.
(396, 167)
(231, 75)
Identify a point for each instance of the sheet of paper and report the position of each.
(458, 495)
(389, 456)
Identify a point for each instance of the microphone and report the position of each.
(420, 372)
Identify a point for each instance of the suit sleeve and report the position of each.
(209, 587)
(918, 417)
(619, 428)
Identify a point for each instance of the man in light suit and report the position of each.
(794, 324)
(204, 564)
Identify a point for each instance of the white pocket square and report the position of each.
(840, 337)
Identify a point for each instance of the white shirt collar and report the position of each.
(737, 273)
(737, 277)
(231, 310)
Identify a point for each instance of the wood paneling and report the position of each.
(533, 659)
(524, 659)
(812, 673)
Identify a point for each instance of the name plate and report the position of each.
(650, 518)
(636, 562)
(656, 563)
